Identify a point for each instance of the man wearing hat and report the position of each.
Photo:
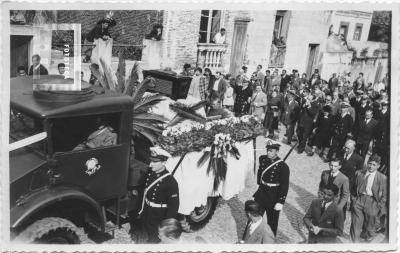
(365, 133)
(341, 129)
(291, 115)
(161, 194)
(273, 181)
(382, 145)
(309, 110)
(369, 202)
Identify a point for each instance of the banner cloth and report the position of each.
(195, 186)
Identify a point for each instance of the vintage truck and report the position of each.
(56, 188)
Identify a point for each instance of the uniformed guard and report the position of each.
(273, 181)
(161, 194)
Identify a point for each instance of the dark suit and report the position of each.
(335, 107)
(331, 218)
(290, 118)
(306, 123)
(342, 182)
(342, 128)
(261, 235)
(333, 83)
(41, 71)
(284, 83)
(273, 188)
(366, 208)
(268, 84)
(366, 132)
(349, 168)
(382, 145)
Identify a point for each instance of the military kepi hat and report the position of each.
(273, 145)
(158, 154)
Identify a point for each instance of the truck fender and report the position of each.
(48, 196)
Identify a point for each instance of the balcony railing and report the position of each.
(210, 55)
(277, 56)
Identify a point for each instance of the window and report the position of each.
(344, 28)
(210, 24)
(278, 23)
(357, 32)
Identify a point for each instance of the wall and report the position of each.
(305, 27)
(353, 17)
(131, 26)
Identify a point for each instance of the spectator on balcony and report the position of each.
(37, 68)
(21, 71)
(156, 33)
(220, 37)
(186, 70)
(198, 88)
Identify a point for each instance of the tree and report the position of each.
(381, 26)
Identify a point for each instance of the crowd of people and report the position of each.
(344, 121)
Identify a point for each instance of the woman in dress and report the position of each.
(243, 98)
(272, 115)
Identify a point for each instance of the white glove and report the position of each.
(278, 206)
(316, 229)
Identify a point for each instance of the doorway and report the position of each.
(313, 50)
(238, 46)
(19, 55)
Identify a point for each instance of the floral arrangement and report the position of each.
(194, 136)
(217, 155)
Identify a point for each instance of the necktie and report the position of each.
(323, 208)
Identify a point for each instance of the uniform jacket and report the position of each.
(292, 112)
(366, 131)
(378, 188)
(261, 235)
(331, 218)
(42, 71)
(278, 174)
(342, 182)
(163, 192)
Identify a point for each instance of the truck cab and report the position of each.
(60, 173)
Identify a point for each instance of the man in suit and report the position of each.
(285, 79)
(36, 68)
(324, 219)
(309, 110)
(218, 89)
(369, 202)
(351, 163)
(342, 128)
(291, 115)
(273, 181)
(366, 132)
(382, 145)
(334, 176)
(333, 82)
(267, 82)
(257, 230)
(260, 75)
(335, 103)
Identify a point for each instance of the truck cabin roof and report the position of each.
(23, 100)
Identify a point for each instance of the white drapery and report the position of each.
(102, 49)
(195, 186)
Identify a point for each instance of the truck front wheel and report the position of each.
(200, 216)
(50, 230)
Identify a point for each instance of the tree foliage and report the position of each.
(381, 26)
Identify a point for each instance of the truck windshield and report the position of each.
(22, 127)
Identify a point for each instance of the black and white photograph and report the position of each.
(200, 125)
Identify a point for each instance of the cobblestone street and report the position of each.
(229, 220)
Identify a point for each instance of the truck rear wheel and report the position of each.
(51, 230)
(200, 216)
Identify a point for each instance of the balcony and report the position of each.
(277, 56)
(210, 55)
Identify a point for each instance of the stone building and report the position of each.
(280, 39)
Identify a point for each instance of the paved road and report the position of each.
(229, 220)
